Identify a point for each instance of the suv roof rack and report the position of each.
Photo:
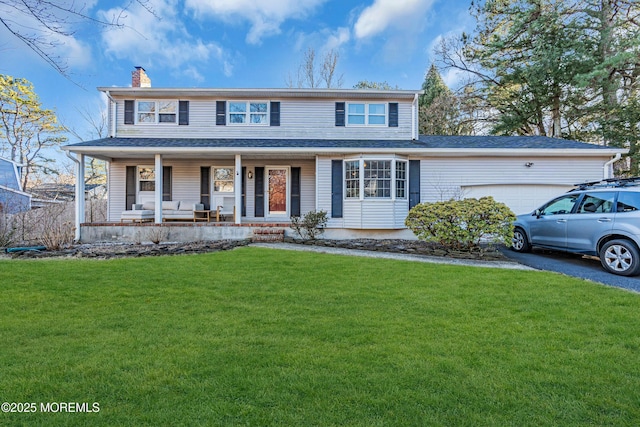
(610, 182)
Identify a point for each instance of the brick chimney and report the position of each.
(139, 78)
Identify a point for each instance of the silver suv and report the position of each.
(597, 218)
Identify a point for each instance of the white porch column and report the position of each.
(80, 202)
(237, 186)
(158, 192)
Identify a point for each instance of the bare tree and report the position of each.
(312, 75)
(40, 23)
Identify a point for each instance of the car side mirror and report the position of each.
(537, 213)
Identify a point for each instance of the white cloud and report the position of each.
(265, 16)
(160, 39)
(336, 39)
(399, 14)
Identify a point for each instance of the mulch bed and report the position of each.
(121, 250)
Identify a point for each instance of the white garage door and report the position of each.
(521, 198)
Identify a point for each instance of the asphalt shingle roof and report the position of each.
(424, 142)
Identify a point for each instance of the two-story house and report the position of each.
(265, 155)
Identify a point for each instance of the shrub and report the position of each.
(311, 225)
(462, 224)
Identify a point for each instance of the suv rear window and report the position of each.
(628, 201)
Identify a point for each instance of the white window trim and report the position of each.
(138, 180)
(367, 115)
(213, 180)
(393, 189)
(157, 112)
(248, 113)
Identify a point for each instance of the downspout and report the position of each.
(414, 118)
(607, 166)
(112, 113)
(78, 197)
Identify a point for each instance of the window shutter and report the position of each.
(129, 111)
(340, 106)
(393, 114)
(205, 180)
(414, 183)
(275, 114)
(295, 191)
(336, 189)
(259, 191)
(130, 187)
(166, 183)
(244, 191)
(221, 113)
(183, 112)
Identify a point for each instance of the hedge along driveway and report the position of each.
(261, 337)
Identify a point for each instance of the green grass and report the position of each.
(262, 337)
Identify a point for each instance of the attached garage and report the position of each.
(522, 198)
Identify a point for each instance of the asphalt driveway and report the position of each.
(572, 265)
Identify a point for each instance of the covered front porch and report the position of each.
(228, 195)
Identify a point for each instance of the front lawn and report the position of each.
(263, 337)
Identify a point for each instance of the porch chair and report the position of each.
(224, 206)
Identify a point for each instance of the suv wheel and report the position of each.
(620, 257)
(520, 242)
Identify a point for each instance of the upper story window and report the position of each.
(157, 112)
(250, 113)
(366, 114)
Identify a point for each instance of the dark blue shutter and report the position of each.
(275, 114)
(166, 183)
(336, 189)
(393, 114)
(205, 182)
(221, 113)
(129, 111)
(340, 113)
(183, 112)
(259, 192)
(130, 187)
(414, 183)
(295, 191)
(244, 191)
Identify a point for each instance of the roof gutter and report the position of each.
(608, 167)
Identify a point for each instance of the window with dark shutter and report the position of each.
(129, 112)
(275, 114)
(130, 187)
(336, 189)
(295, 191)
(393, 114)
(221, 113)
(166, 183)
(259, 192)
(183, 113)
(340, 113)
(205, 179)
(414, 183)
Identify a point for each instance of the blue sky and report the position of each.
(234, 43)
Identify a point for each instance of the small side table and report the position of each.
(201, 215)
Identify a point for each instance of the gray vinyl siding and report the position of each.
(299, 118)
(442, 178)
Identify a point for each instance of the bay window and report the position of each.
(375, 179)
